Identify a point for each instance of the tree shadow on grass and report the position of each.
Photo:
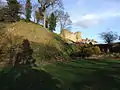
(93, 75)
(97, 80)
(26, 78)
(105, 78)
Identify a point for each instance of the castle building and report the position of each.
(75, 37)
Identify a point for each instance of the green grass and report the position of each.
(87, 75)
(74, 75)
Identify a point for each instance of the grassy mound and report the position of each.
(46, 45)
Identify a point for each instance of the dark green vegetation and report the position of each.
(74, 75)
(52, 22)
(28, 8)
(10, 12)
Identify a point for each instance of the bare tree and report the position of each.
(45, 4)
(63, 19)
(109, 37)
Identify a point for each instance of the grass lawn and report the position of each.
(74, 75)
(87, 75)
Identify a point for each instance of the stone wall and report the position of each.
(76, 37)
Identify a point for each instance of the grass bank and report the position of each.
(46, 45)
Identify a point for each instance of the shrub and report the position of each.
(86, 51)
(96, 50)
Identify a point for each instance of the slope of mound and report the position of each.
(45, 44)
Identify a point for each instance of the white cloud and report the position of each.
(3, 3)
(3, 0)
(90, 20)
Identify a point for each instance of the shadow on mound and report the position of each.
(26, 78)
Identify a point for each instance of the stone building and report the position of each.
(75, 37)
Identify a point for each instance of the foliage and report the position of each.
(86, 50)
(96, 50)
(4, 14)
(28, 10)
(109, 37)
(90, 50)
(45, 4)
(14, 8)
(11, 12)
(52, 22)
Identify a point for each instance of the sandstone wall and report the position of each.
(76, 37)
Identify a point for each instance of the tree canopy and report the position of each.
(11, 11)
(45, 4)
(109, 37)
(63, 19)
(52, 22)
(28, 8)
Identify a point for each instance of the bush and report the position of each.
(96, 50)
(91, 50)
(86, 51)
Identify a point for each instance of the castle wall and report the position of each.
(76, 37)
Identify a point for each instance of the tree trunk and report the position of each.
(46, 23)
(44, 19)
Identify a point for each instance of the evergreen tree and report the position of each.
(52, 22)
(14, 10)
(28, 10)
